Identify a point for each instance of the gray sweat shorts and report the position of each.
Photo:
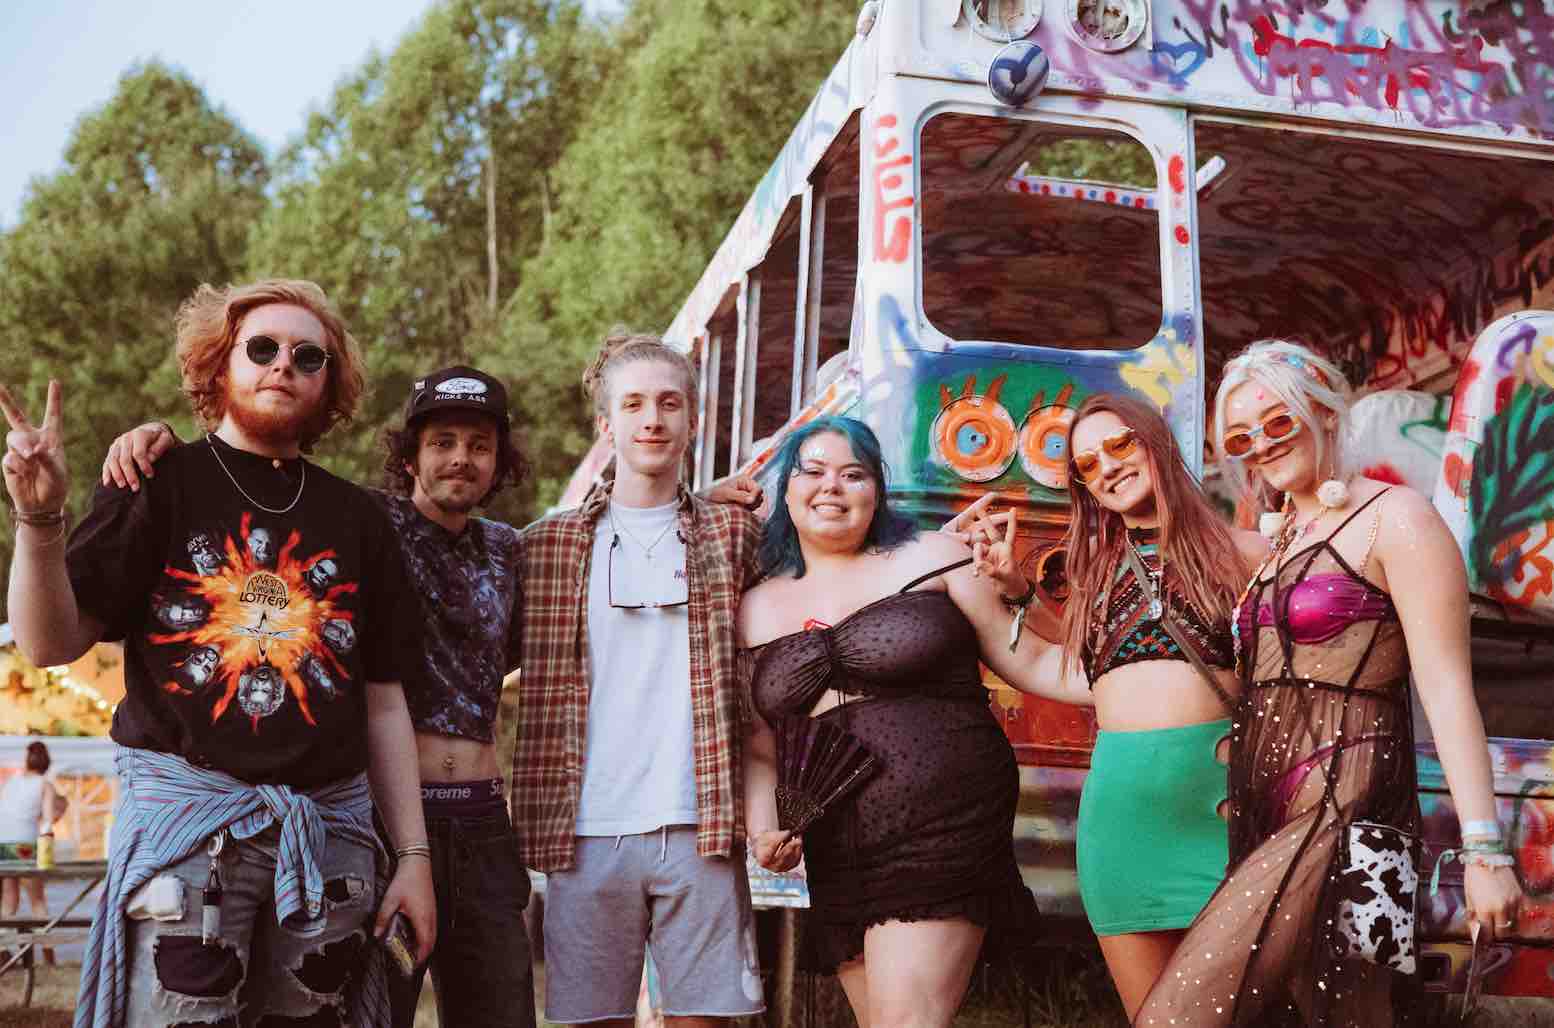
(692, 912)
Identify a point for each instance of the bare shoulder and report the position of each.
(1252, 546)
(760, 609)
(934, 549)
(1404, 502)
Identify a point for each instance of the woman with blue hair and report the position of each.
(866, 623)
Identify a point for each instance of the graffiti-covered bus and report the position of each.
(993, 208)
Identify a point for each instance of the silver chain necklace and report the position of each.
(268, 510)
(647, 551)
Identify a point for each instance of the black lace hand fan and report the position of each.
(817, 765)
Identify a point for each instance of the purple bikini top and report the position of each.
(1320, 607)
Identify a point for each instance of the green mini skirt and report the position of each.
(1152, 847)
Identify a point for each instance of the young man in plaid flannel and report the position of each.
(627, 779)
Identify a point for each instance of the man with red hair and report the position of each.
(267, 622)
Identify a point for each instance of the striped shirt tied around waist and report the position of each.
(168, 810)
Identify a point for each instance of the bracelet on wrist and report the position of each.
(38, 518)
(1483, 845)
(1487, 859)
(1021, 601)
(415, 849)
(1481, 829)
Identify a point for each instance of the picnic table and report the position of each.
(27, 933)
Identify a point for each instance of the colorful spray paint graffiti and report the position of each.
(975, 437)
(892, 193)
(1496, 489)
(1524, 785)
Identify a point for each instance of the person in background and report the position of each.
(29, 807)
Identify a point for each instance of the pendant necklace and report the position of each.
(1156, 575)
(268, 510)
(647, 550)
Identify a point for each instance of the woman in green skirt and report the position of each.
(1153, 571)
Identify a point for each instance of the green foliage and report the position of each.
(622, 152)
(1119, 162)
(157, 194)
(383, 198)
(696, 102)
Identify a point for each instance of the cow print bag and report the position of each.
(1378, 883)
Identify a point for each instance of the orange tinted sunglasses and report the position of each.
(1118, 446)
(1278, 426)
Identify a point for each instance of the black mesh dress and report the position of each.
(930, 835)
(1324, 736)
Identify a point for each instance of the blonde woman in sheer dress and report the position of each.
(1364, 583)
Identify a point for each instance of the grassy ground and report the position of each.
(1073, 994)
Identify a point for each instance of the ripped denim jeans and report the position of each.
(259, 973)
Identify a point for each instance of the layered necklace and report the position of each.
(216, 451)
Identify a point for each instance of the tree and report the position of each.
(696, 102)
(157, 194)
(416, 194)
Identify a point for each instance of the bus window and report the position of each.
(1389, 256)
(779, 274)
(724, 333)
(836, 190)
(1038, 234)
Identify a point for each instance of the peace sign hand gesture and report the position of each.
(992, 552)
(34, 462)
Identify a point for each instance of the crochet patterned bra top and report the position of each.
(1127, 633)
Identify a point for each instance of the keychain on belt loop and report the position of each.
(210, 899)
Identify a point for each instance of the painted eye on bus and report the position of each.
(973, 436)
(1044, 439)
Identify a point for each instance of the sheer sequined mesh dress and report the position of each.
(1323, 737)
(930, 835)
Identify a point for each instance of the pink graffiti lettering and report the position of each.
(888, 179)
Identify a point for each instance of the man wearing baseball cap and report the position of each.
(452, 453)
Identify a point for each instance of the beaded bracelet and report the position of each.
(1466, 857)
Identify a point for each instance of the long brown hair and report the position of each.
(1198, 551)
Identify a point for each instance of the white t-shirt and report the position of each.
(21, 807)
(638, 773)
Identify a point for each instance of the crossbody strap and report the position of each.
(1169, 624)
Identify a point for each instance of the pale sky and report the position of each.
(265, 63)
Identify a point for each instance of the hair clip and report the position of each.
(1300, 363)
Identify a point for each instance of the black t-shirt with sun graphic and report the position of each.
(249, 635)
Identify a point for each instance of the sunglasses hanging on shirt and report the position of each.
(677, 596)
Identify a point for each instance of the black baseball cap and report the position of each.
(457, 388)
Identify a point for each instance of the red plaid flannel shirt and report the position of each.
(547, 780)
